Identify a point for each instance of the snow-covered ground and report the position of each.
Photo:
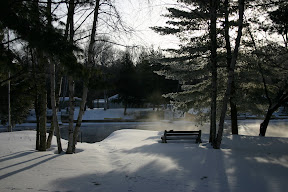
(112, 114)
(135, 160)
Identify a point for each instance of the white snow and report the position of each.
(135, 160)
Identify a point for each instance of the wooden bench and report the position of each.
(181, 135)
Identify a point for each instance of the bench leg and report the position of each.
(198, 140)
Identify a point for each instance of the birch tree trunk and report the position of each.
(54, 108)
(71, 115)
(54, 121)
(85, 84)
(218, 141)
(79, 119)
(71, 81)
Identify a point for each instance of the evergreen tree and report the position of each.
(128, 84)
(153, 86)
(197, 26)
(195, 63)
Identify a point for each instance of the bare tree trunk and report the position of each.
(272, 108)
(54, 121)
(51, 134)
(213, 38)
(125, 108)
(218, 141)
(54, 109)
(264, 124)
(85, 84)
(79, 119)
(233, 106)
(71, 81)
(105, 100)
(41, 94)
(71, 115)
(52, 126)
(42, 114)
(36, 102)
(234, 111)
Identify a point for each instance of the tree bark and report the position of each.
(71, 115)
(36, 102)
(54, 108)
(218, 141)
(85, 84)
(71, 81)
(51, 133)
(42, 114)
(233, 106)
(264, 124)
(79, 119)
(213, 47)
(41, 94)
(54, 121)
(37, 123)
(105, 100)
(272, 108)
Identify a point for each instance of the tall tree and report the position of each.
(233, 106)
(89, 64)
(197, 57)
(51, 62)
(213, 59)
(127, 83)
(280, 25)
(28, 21)
(70, 23)
(42, 94)
(217, 143)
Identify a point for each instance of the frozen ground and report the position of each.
(135, 161)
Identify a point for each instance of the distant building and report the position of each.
(112, 104)
(64, 102)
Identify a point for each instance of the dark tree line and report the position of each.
(136, 83)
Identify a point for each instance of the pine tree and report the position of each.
(195, 63)
(29, 22)
(230, 80)
(153, 86)
(127, 83)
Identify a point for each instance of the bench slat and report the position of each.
(181, 135)
(171, 131)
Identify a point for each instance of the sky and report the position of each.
(140, 15)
